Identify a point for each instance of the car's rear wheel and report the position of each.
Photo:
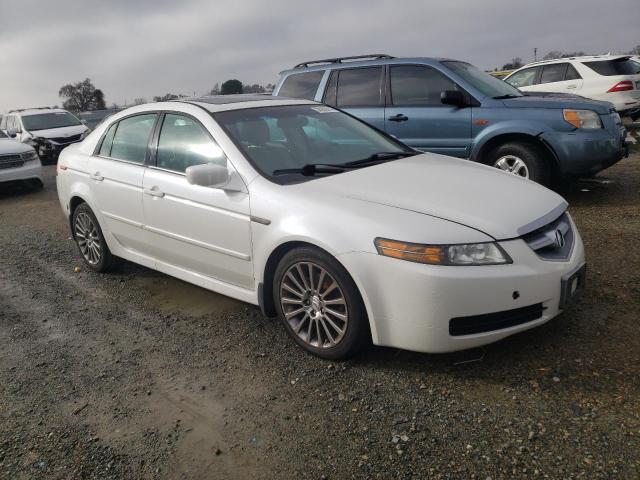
(90, 240)
(526, 160)
(319, 304)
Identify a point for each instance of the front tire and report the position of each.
(526, 160)
(319, 304)
(89, 239)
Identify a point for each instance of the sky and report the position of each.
(142, 48)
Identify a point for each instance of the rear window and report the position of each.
(553, 73)
(359, 87)
(301, 85)
(610, 68)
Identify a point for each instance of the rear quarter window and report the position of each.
(610, 68)
(301, 85)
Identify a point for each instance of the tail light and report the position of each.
(621, 86)
(60, 167)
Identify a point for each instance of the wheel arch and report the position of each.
(502, 138)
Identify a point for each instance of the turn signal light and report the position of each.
(621, 86)
(411, 251)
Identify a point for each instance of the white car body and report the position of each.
(581, 79)
(222, 238)
(18, 161)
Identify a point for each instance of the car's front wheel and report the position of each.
(319, 304)
(90, 240)
(523, 159)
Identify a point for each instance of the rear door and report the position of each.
(558, 78)
(415, 114)
(116, 171)
(358, 91)
(198, 229)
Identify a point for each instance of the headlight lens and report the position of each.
(29, 156)
(464, 254)
(582, 118)
(84, 134)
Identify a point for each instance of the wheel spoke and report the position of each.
(335, 301)
(320, 342)
(299, 326)
(294, 313)
(290, 289)
(294, 301)
(339, 315)
(295, 282)
(304, 280)
(326, 329)
(329, 289)
(333, 325)
(321, 279)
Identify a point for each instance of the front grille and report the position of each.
(71, 139)
(489, 322)
(554, 241)
(10, 161)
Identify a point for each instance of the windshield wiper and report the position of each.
(379, 157)
(504, 97)
(311, 169)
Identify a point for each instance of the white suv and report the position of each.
(48, 130)
(612, 78)
(19, 162)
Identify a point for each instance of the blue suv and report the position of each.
(451, 107)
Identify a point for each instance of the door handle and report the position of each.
(571, 86)
(153, 192)
(97, 177)
(399, 118)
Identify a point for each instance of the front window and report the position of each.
(44, 121)
(415, 85)
(292, 136)
(481, 81)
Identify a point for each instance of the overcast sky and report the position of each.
(141, 48)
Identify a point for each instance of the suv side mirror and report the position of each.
(453, 97)
(208, 175)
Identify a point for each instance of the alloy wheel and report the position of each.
(88, 238)
(314, 305)
(512, 164)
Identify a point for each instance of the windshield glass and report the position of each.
(292, 136)
(44, 121)
(485, 83)
(2, 135)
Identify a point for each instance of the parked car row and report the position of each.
(19, 162)
(451, 107)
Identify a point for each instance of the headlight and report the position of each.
(464, 254)
(582, 118)
(29, 156)
(84, 134)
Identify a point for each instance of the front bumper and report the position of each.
(411, 305)
(48, 151)
(28, 171)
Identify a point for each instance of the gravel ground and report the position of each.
(134, 374)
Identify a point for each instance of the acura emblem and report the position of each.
(559, 239)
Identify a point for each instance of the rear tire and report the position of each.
(523, 159)
(90, 241)
(34, 184)
(319, 304)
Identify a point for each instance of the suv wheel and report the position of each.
(90, 240)
(523, 159)
(319, 304)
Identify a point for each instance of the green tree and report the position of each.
(167, 97)
(515, 63)
(231, 86)
(81, 96)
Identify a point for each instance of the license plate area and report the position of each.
(572, 284)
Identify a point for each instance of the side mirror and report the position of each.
(208, 175)
(453, 97)
(12, 132)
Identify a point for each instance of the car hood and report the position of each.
(9, 146)
(531, 100)
(59, 132)
(486, 199)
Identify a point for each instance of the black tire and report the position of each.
(34, 184)
(533, 156)
(105, 260)
(356, 332)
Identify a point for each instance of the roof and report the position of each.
(219, 103)
(35, 111)
(370, 62)
(606, 56)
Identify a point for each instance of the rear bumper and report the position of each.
(587, 152)
(28, 171)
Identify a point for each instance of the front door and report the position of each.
(198, 229)
(415, 115)
(116, 172)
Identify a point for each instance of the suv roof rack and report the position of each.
(32, 108)
(341, 59)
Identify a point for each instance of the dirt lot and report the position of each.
(135, 375)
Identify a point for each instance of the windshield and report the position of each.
(292, 136)
(2, 135)
(44, 121)
(485, 83)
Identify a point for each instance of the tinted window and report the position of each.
(2, 135)
(3, 122)
(43, 121)
(359, 86)
(301, 85)
(184, 142)
(330, 92)
(132, 138)
(413, 85)
(572, 73)
(608, 68)
(523, 78)
(553, 73)
(105, 148)
(481, 81)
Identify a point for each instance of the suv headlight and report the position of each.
(582, 118)
(489, 253)
(84, 134)
(29, 156)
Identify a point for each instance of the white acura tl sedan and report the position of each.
(343, 232)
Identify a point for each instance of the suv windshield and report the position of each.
(294, 136)
(485, 83)
(44, 121)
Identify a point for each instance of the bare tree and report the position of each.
(82, 96)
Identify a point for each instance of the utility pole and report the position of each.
(535, 54)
